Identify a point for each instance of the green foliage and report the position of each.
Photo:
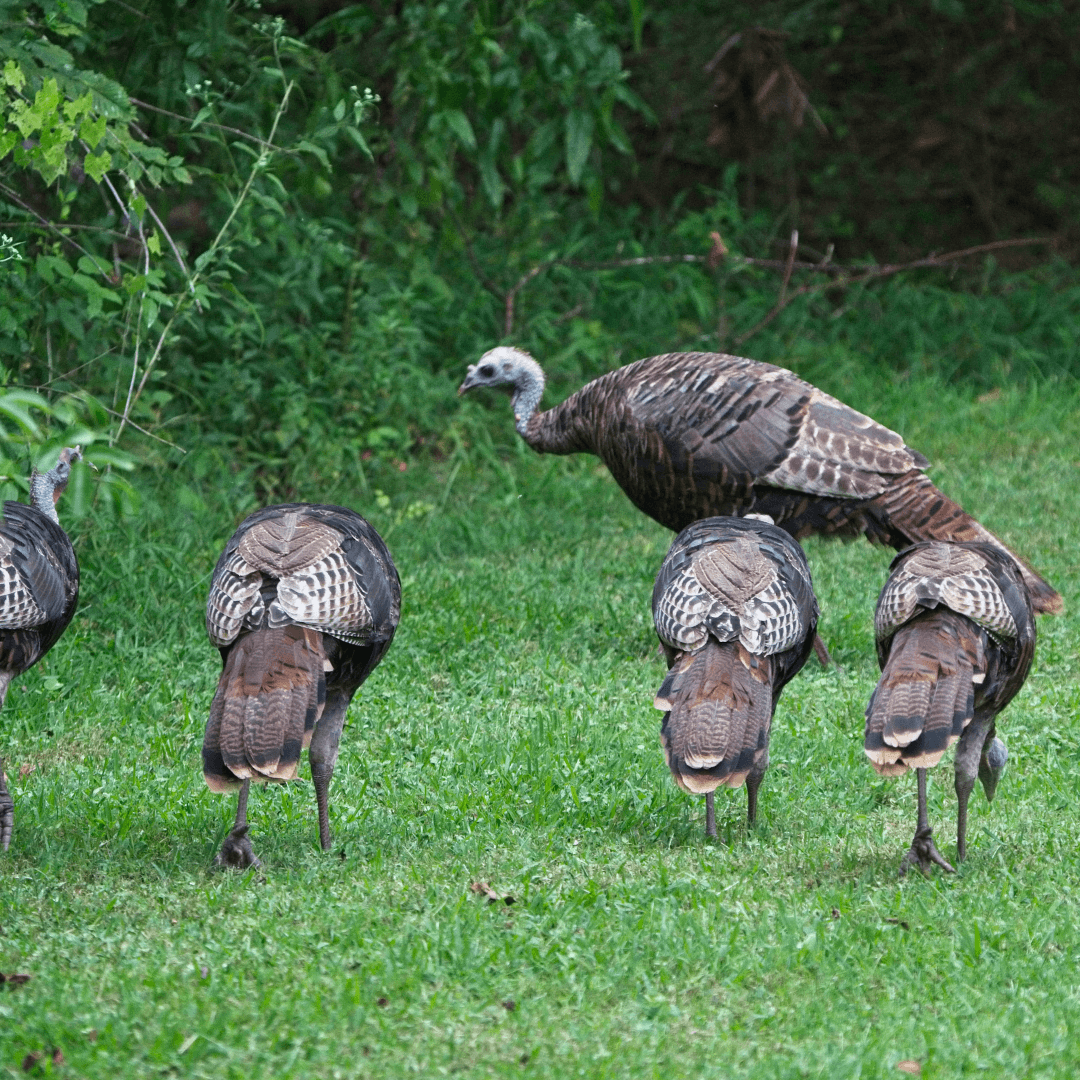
(509, 737)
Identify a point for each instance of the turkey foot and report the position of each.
(7, 812)
(923, 854)
(236, 852)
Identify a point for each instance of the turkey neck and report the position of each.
(41, 495)
(568, 428)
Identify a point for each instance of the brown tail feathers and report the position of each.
(926, 694)
(269, 697)
(915, 508)
(719, 702)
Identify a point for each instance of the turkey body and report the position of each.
(303, 605)
(39, 591)
(694, 435)
(735, 612)
(955, 634)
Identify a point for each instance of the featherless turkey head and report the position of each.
(46, 488)
(505, 366)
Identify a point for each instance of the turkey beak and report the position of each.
(468, 383)
(71, 453)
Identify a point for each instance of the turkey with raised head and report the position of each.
(955, 635)
(303, 605)
(735, 612)
(39, 589)
(691, 435)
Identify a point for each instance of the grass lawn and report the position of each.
(509, 738)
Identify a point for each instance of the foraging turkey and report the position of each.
(734, 609)
(39, 589)
(303, 605)
(691, 435)
(955, 636)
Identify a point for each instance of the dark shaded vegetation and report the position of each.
(300, 305)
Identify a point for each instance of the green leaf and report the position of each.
(579, 133)
(637, 21)
(339, 111)
(317, 151)
(357, 138)
(494, 187)
(153, 242)
(13, 76)
(92, 131)
(97, 165)
(80, 106)
(459, 124)
(7, 140)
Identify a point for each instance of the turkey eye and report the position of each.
(487, 371)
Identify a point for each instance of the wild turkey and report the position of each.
(735, 612)
(39, 589)
(955, 636)
(691, 435)
(303, 605)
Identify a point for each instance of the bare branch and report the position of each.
(8, 193)
(207, 123)
(874, 273)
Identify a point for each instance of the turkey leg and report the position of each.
(969, 754)
(236, 852)
(710, 816)
(7, 811)
(922, 851)
(322, 754)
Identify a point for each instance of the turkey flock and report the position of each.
(742, 459)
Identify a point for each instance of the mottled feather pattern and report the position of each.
(325, 595)
(17, 607)
(734, 606)
(234, 598)
(39, 586)
(692, 435)
(283, 546)
(949, 575)
(733, 583)
(955, 638)
(287, 640)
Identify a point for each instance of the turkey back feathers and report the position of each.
(735, 611)
(304, 598)
(955, 635)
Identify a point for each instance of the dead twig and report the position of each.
(874, 273)
(206, 123)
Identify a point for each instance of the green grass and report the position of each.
(509, 738)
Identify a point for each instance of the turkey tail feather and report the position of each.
(916, 510)
(719, 703)
(270, 695)
(926, 695)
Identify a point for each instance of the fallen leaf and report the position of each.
(57, 1057)
(836, 913)
(26, 769)
(14, 979)
(186, 1045)
(982, 399)
(204, 972)
(524, 1059)
(484, 889)
(913, 1068)
(899, 922)
(92, 1034)
(32, 1059)
(509, 1004)
(382, 1002)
